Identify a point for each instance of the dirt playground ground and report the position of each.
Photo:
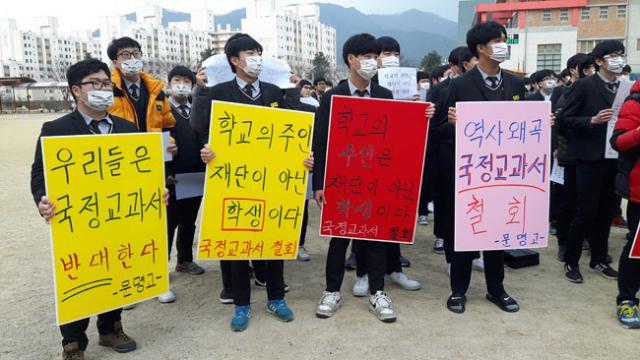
(557, 320)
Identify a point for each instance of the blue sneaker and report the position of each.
(628, 314)
(240, 320)
(280, 310)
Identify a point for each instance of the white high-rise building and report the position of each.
(293, 33)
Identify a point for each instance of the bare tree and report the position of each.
(303, 69)
(58, 73)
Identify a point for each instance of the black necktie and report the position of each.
(248, 89)
(494, 81)
(183, 110)
(612, 86)
(94, 125)
(362, 93)
(134, 91)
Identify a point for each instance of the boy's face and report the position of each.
(385, 54)
(487, 49)
(93, 82)
(240, 61)
(604, 62)
(354, 61)
(306, 90)
(589, 71)
(126, 54)
(180, 79)
(321, 87)
(469, 65)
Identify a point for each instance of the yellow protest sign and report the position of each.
(255, 186)
(109, 234)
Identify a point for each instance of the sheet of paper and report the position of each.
(557, 174)
(423, 94)
(623, 91)
(166, 142)
(189, 185)
(274, 71)
(401, 81)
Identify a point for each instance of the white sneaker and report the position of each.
(423, 220)
(303, 255)
(449, 269)
(167, 297)
(128, 307)
(403, 280)
(430, 206)
(361, 288)
(478, 264)
(329, 303)
(380, 305)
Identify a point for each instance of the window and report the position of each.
(546, 15)
(564, 15)
(549, 57)
(604, 13)
(638, 45)
(622, 12)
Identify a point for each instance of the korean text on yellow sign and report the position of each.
(109, 233)
(255, 186)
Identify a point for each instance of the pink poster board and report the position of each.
(503, 165)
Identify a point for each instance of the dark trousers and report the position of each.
(554, 201)
(76, 331)
(596, 201)
(305, 221)
(567, 205)
(375, 252)
(629, 269)
(444, 202)
(226, 268)
(428, 191)
(461, 266)
(241, 281)
(393, 259)
(182, 214)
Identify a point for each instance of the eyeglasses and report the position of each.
(97, 85)
(321, 84)
(306, 87)
(127, 55)
(615, 56)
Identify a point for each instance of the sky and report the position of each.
(83, 14)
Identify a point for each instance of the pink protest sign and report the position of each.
(502, 175)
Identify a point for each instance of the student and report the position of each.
(625, 140)
(565, 77)
(547, 80)
(586, 114)
(360, 53)
(320, 84)
(437, 74)
(138, 97)
(527, 85)
(423, 80)
(329, 85)
(306, 91)
(91, 88)
(534, 83)
(626, 73)
(182, 214)
(485, 82)
(467, 60)
(244, 55)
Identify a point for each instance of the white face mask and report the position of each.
(593, 71)
(99, 100)
(390, 62)
(131, 67)
(254, 66)
(443, 78)
(616, 66)
(549, 85)
(528, 87)
(368, 68)
(424, 86)
(181, 90)
(500, 51)
(624, 78)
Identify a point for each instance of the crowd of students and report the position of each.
(583, 208)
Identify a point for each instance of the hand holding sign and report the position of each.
(216, 70)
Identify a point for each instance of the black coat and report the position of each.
(535, 97)
(189, 143)
(321, 127)
(586, 98)
(70, 124)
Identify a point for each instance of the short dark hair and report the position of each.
(564, 73)
(584, 63)
(240, 42)
(605, 48)
(181, 71)
(438, 72)
(387, 43)
(319, 79)
(360, 44)
(574, 60)
(534, 77)
(82, 69)
(626, 68)
(121, 43)
(526, 80)
(422, 75)
(482, 34)
(540, 75)
(304, 82)
(465, 55)
(454, 56)
(329, 83)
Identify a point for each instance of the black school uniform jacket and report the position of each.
(70, 124)
(586, 98)
(535, 97)
(189, 143)
(321, 126)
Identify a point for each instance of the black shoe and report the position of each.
(605, 270)
(456, 302)
(504, 302)
(226, 297)
(608, 259)
(552, 229)
(562, 251)
(404, 262)
(263, 285)
(573, 273)
(350, 264)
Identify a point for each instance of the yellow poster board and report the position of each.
(256, 185)
(109, 234)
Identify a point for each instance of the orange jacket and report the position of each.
(158, 110)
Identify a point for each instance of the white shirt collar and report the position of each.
(606, 81)
(128, 83)
(546, 97)
(88, 119)
(255, 85)
(177, 105)
(485, 75)
(353, 88)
